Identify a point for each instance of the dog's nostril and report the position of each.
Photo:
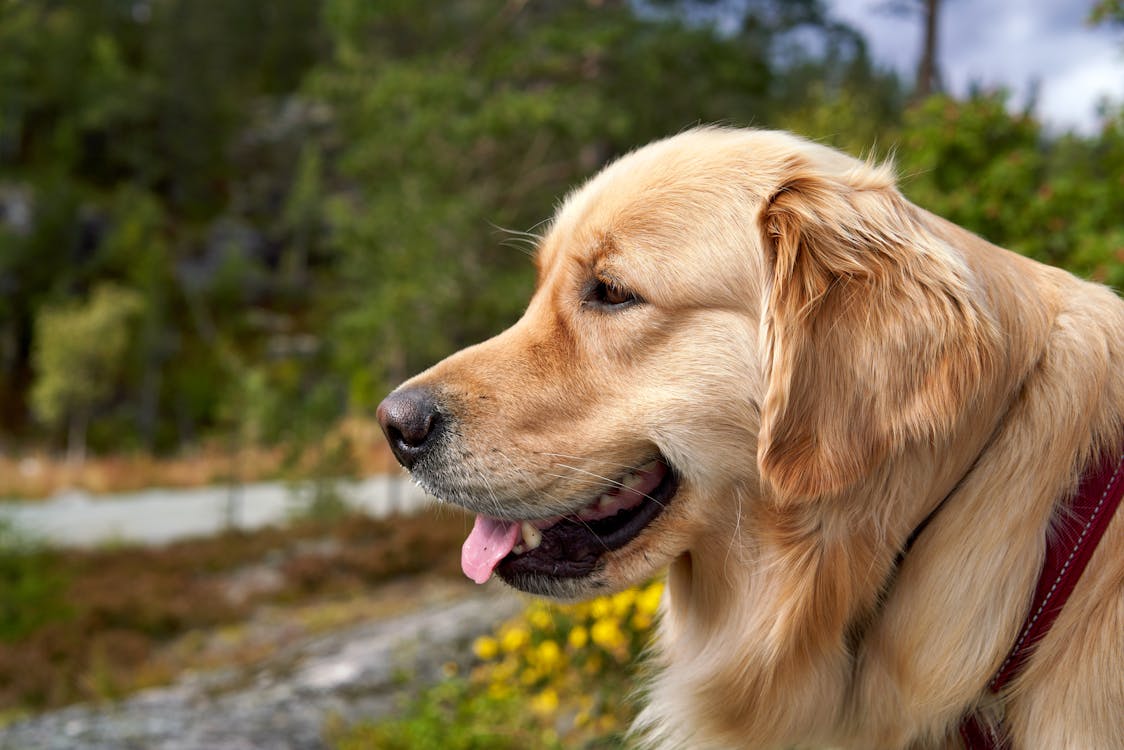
(413, 432)
(408, 419)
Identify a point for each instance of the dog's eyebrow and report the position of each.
(594, 252)
(604, 247)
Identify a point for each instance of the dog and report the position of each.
(844, 426)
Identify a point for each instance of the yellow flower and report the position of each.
(648, 602)
(641, 621)
(622, 602)
(545, 703)
(513, 638)
(607, 634)
(578, 637)
(600, 607)
(486, 648)
(540, 618)
(548, 655)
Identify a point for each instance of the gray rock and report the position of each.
(349, 675)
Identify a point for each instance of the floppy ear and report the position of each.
(872, 331)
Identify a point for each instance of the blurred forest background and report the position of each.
(248, 220)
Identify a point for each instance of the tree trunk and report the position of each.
(148, 405)
(928, 75)
(76, 437)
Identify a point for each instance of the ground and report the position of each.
(365, 657)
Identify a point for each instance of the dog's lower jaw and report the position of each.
(562, 589)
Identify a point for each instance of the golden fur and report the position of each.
(822, 362)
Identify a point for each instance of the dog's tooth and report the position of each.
(519, 549)
(532, 537)
(606, 501)
(632, 481)
(648, 467)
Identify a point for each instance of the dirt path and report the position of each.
(163, 515)
(283, 703)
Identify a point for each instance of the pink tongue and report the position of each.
(489, 542)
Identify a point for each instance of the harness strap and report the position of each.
(1071, 541)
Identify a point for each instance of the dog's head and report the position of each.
(722, 318)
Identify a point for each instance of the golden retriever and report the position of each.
(749, 360)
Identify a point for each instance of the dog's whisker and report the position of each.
(582, 458)
(488, 485)
(614, 482)
(525, 242)
(525, 477)
(610, 481)
(572, 478)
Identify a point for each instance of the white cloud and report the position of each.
(1008, 43)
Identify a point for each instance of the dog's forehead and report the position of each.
(658, 195)
(633, 198)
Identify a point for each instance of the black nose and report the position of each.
(409, 420)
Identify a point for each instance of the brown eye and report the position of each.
(609, 294)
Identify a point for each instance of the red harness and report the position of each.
(1070, 544)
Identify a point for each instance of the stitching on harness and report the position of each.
(1061, 574)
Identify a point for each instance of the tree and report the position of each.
(1107, 11)
(78, 357)
(991, 170)
(928, 79)
(456, 119)
(928, 73)
(312, 190)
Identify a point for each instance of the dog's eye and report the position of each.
(605, 293)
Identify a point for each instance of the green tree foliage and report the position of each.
(459, 124)
(1107, 11)
(312, 200)
(79, 357)
(1058, 200)
(148, 144)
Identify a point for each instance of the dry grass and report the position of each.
(39, 475)
(116, 613)
(271, 629)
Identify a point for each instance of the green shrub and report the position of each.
(32, 585)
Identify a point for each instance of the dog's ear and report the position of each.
(871, 328)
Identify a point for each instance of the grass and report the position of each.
(79, 625)
(452, 716)
(555, 676)
(40, 475)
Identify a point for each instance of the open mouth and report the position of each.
(570, 546)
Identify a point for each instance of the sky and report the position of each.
(1008, 43)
